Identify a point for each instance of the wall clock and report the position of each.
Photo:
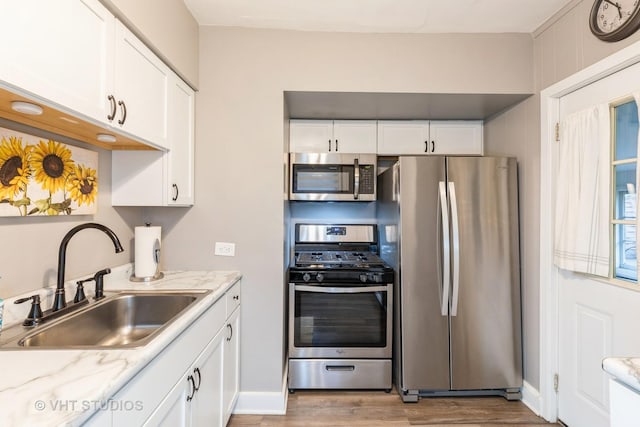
(613, 20)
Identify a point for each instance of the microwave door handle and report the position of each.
(356, 179)
(340, 290)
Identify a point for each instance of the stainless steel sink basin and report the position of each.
(126, 319)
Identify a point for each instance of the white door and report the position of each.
(397, 137)
(597, 319)
(182, 141)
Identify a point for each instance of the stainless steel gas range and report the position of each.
(340, 309)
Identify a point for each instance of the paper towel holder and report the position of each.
(156, 255)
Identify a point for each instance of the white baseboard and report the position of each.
(263, 403)
(531, 397)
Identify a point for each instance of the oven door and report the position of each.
(333, 177)
(340, 321)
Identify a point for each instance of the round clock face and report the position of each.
(613, 20)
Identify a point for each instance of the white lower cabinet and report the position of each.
(623, 405)
(231, 367)
(196, 400)
(192, 382)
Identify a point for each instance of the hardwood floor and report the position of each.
(377, 408)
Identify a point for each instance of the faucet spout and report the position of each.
(60, 301)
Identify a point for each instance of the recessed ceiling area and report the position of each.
(379, 16)
(397, 106)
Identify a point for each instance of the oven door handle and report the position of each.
(340, 290)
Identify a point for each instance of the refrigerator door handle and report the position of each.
(456, 248)
(356, 179)
(446, 264)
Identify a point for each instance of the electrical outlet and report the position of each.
(225, 249)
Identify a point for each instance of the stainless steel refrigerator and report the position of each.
(449, 226)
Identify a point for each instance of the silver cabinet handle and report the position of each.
(340, 367)
(444, 302)
(356, 179)
(112, 101)
(123, 108)
(456, 248)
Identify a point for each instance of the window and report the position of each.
(624, 198)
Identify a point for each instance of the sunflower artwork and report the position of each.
(45, 177)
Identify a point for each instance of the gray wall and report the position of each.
(562, 46)
(239, 145)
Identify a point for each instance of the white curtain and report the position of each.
(582, 197)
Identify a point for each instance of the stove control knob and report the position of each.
(306, 277)
(377, 278)
(319, 277)
(363, 278)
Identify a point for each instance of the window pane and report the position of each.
(625, 256)
(625, 183)
(626, 131)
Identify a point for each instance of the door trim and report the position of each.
(549, 292)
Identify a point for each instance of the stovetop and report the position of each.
(343, 259)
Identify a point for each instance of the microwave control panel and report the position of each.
(367, 179)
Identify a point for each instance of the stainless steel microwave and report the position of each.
(332, 177)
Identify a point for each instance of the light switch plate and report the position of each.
(225, 249)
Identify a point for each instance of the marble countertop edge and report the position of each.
(625, 370)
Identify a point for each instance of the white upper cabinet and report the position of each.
(421, 137)
(140, 95)
(180, 186)
(455, 137)
(74, 55)
(59, 50)
(155, 178)
(403, 137)
(332, 136)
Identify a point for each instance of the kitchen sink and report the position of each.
(124, 320)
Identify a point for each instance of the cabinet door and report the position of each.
(141, 89)
(181, 137)
(452, 137)
(397, 137)
(60, 51)
(206, 406)
(173, 411)
(231, 372)
(354, 136)
(311, 136)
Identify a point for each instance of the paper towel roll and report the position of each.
(147, 250)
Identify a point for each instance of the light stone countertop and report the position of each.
(66, 387)
(626, 370)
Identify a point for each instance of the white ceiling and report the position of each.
(379, 16)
